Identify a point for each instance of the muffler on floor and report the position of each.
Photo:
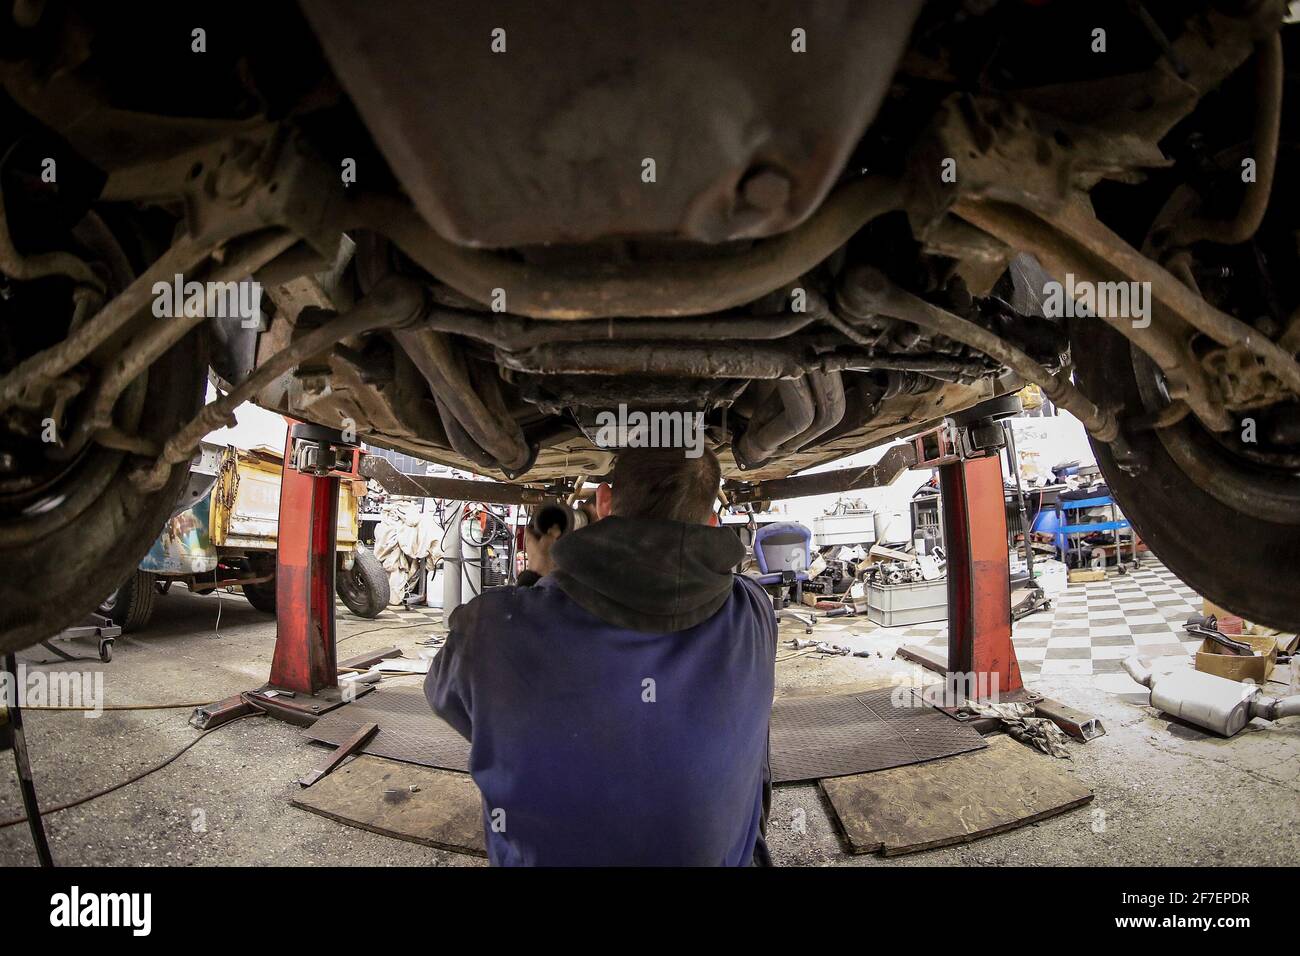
(1216, 704)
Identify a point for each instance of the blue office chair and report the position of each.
(781, 551)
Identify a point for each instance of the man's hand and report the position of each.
(538, 549)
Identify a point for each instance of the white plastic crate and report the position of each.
(920, 602)
(846, 529)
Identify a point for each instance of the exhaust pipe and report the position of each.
(828, 399)
(556, 514)
(1213, 703)
(786, 415)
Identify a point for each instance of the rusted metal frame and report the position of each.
(111, 319)
(1166, 339)
(395, 301)
(737, 359)
(146, 348)
(1089, 234)
(651, 289)
(205, 587)
(866, 292)
(460, 489)
(896, 460)
(257, 185)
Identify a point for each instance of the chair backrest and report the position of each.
(782, 547)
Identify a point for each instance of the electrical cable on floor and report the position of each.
(23, 767)
(130, 780)
(404, 627)
(216, 628)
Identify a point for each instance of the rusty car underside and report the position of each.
(476, 226)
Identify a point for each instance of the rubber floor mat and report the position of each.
(836, 735)
(812, 737)
(408, 729)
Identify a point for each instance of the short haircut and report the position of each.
(664, 483)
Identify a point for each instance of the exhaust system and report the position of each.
(1216, 704)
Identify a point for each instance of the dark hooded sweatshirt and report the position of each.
(618, 710)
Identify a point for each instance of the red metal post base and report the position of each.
(305, 660)
(979, 598)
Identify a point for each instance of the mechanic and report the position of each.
(618, 710)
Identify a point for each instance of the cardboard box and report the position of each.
(1213, 659)
(1078, 575)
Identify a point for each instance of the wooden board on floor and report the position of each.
(444, 811)
(953, 800)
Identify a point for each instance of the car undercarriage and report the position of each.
(476, 227)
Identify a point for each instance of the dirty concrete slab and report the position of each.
(1165, 793)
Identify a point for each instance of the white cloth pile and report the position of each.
(404, 535)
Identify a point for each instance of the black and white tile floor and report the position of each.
(1087, 632)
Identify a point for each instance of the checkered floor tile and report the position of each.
(1092, 627)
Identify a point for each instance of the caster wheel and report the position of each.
(105, 651)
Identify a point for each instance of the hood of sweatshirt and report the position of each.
(647, 574)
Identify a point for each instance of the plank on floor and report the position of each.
(953, 800)
(444, 811)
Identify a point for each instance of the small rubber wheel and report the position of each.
(131, 606)
(261, 596)
(364, 587)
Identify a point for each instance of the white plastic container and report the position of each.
(893, 527)
(894, 605)
(847, 529)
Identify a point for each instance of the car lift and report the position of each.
(981, 664)
(303, 683)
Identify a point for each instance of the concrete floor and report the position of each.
(1165, 792)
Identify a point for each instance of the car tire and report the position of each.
(363, 588)
(261, 596)
(131, 606)
(103, 521)
(1240, 560)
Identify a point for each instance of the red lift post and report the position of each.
(981, 662)
(304, 669)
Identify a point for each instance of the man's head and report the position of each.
(661, 483)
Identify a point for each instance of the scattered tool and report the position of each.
(837, 650)
(1208, 628)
